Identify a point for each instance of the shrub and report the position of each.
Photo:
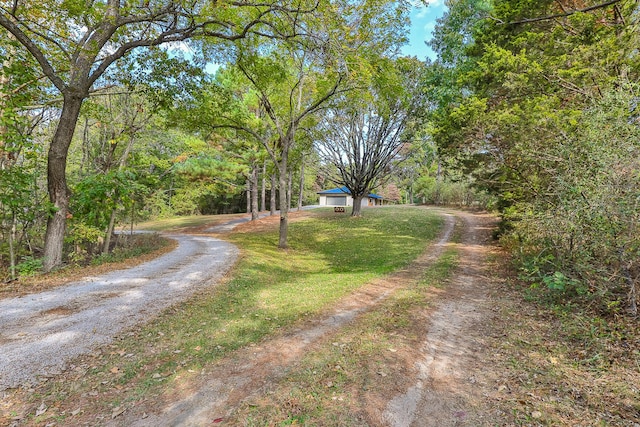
(583, 231)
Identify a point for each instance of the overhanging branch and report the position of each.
(562, 15)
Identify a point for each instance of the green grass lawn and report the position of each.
(327, 387)
(182, 222)
(329, 256)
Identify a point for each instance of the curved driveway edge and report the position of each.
(40, 333)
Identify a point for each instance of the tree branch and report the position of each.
(563, 15)
(34, 50)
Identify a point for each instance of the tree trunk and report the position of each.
(85, 145)
(254, 193)
(57, 181)
(284, 202)
(357, 205)
(112, 220)
(5, 155)
(289, 189)
(12, 252)
(272, 204)
(263, 190)
(301, 193)
(109, 232)
(248, 189)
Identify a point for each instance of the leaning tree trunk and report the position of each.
(357, 205)
(57, 181)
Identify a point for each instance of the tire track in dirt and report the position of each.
(215, 394)
(443, 393)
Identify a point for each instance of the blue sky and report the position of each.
(423, 20)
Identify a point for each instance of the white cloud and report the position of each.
(424, 11)
(429, 27)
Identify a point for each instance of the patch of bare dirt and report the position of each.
(267, 222)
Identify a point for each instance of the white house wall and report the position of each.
(364, 203)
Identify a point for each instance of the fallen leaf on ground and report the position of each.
(41, 410)
(118, 411)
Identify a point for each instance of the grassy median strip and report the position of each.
(362, 363)
(269, 289)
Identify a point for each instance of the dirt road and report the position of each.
(41, 332)
(440, 394)
(445, 387)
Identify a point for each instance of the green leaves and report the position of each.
(96, 196)
(531, 106)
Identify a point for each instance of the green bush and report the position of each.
(581, 235)
(29, 267)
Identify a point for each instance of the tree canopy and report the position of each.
(522, 94)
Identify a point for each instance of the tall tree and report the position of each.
(75, 43)
(297, 79)
(268, 93)
(289, 92)
(361, 139)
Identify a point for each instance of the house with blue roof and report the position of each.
(342, 197)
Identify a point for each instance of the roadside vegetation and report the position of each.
(558, 363)
(554, 140)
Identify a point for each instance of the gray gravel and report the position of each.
(41, 333)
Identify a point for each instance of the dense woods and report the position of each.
(110, 113)
(536, 101)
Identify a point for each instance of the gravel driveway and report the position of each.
(40, 333)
